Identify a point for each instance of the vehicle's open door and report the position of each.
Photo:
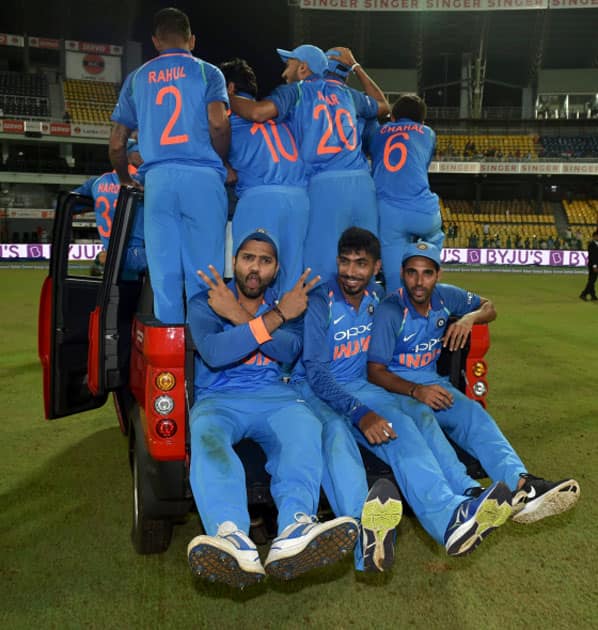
(68, 296)
(110, 324)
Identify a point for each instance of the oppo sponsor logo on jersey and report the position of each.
(422, 354)
(352, 341)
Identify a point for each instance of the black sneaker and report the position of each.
(539, 498)
(475, 518)
(380, 516)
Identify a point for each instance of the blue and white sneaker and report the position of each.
(380, 516)
(475, 518)
(230, 557)
(307, 544)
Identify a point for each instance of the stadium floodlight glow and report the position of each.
(165, 381)
(163, 405)
(479, 388)
(479, 368)
(166, 427)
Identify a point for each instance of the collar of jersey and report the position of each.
(340, 297)
(171, 51)
(245, 95)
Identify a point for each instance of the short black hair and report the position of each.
(239, 72)
(355, 239)
(171, 23)
(410, 106)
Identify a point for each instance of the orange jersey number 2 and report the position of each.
(166, 138)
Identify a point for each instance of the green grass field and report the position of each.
(66, 560)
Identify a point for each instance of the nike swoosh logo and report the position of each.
(337, 320)
(407, 337)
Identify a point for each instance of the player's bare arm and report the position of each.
(376, 429)
(256, 111)
(117, 151)
(370, 87)
(435, 396)
(457, 333)
(219, 126)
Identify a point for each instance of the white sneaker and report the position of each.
(230, 557)
(307, 544)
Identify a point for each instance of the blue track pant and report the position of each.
(470, 426)
(397, 229)
(337, 200)
(284, 212)
(185, 223)
(417, 471)
(290, 436)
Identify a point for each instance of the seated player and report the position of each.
(243, 333)
(332, 379)
(410, 329)
(104, 190)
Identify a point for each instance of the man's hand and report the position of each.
(222, 299)
(376, 429)
(294, 302)
(434, 396)
(457, 333)
(231, 175)
(345, 56)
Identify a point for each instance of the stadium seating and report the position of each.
(582, 217)
(89, 102)
(569, 147)
(506, 147)
(24, 95)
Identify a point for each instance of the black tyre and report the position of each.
(149, 533)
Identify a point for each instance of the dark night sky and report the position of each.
(224, 29)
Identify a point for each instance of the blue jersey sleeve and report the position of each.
(124, 110)
(86, 188)
(458, 301)
(370, 129)
(365, 106)
(218, 346)
(286, 342)
(388, 319)
(316, 358)
(216, 85)
(285, 98)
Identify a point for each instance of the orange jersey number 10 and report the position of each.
(323, 146)
(166, 138)
(392, 144)
(291, 157)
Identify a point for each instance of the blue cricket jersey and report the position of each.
(166, 99)
(401, 153)
(104, 190)
(323, 114)
(336, 341)
(239, 358)
(264, 154)
(408, 343)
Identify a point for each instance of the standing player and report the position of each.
(104, 190)
(178, 103)
(243, 334)
(271, 181)
(401, 152)
(332, 379)
(410, 328)
(323, 116)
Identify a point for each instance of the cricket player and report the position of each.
(243, 333)
(323, 114)
(410, 329)
(179, 104)
(104, 190)
(401, 152)
(332, 378)
(271, 180)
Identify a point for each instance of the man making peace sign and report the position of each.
(242, 334)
